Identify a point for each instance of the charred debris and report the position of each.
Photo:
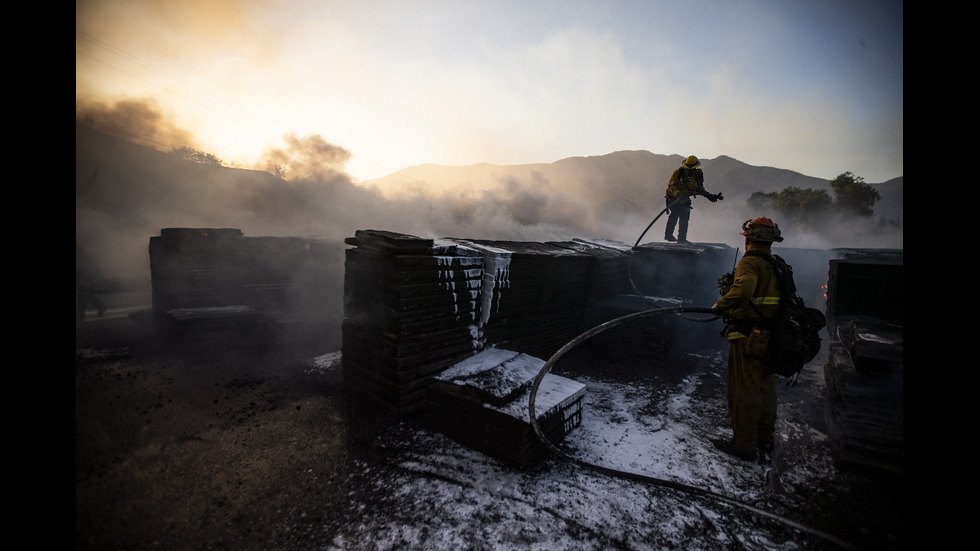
(455, 330)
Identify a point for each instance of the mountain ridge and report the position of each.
(627, 179)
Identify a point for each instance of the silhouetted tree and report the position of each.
(801, 206)
(853, 196)
(760, 200)
(191, 154)
(811, 207)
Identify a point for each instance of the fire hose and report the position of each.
(629, 265)
(546, 368)
(654, 221)
(636, 476)
(667, 208)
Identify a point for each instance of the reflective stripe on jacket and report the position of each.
(755, 283)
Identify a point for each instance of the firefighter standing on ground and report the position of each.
(686, 182)
(751, 391)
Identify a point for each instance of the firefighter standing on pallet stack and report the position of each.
(686, 182)
(753, 294)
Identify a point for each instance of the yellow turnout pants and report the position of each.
(751, 400)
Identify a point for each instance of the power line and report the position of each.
(228, 106)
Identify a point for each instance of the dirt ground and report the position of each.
(191, 447)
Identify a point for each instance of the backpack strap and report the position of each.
(691, 174)
(784, 273)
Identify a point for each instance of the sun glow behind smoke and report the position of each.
(330, 96)
(400, 85)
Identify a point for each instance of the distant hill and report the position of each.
(624, 181)
(891, 205)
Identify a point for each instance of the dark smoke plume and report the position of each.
(305, 158)
(127, 190)
(136, 120)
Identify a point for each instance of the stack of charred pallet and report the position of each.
(689, 270)
(197, 291)
(610, 271)
(641, 342)
(865, 368)
(195, 267)
(414, 306)
(539, 306)
(215, 286)
(410, 311)
(484, 403)
(660, 275)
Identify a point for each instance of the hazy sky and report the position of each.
(814, 86)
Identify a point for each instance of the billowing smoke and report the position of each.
(720, 223)
(135, 120)
(126, 193)
(309, 158)
(537, 202)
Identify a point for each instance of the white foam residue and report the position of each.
(326, 362)
(553, 393)
(488, 359)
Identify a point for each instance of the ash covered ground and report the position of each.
(190, 447)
